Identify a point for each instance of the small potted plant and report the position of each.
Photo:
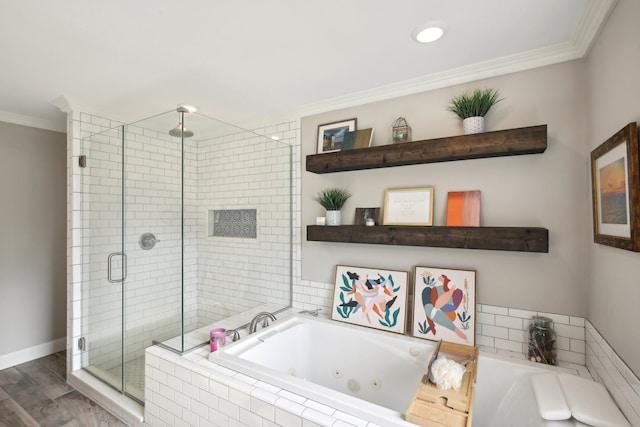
(333, 199)
(472, 108)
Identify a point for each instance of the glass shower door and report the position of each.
(134, 229)
(103, 262)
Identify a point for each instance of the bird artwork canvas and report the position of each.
(445, 305)
(371, 297)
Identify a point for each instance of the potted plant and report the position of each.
(472, 108)
(333, 199)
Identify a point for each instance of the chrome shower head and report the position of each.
(180, 130)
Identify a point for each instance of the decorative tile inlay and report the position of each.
(233, 223)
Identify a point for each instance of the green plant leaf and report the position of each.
(332, 199)
(395, 317)
(477, 104)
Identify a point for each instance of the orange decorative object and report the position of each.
(463, 208)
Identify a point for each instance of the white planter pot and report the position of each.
(333, 217)
(473, 125)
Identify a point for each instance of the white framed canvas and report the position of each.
(371, 297)
(444, 305)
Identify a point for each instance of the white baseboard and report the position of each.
(31, 353)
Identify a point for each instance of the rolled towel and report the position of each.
(447, 373)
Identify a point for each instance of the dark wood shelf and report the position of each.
(511, 142)
(522, 239)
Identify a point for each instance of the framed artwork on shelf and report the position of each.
(463, 209)
(444, 305)
(371, 297)
(615, 183)
(408, 206)
(363, 213)
(331, 135)
(357, 139)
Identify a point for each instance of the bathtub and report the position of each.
(364, 372)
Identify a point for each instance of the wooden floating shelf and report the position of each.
(522, 239)
(511, 142)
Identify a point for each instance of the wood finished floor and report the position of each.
(35, 394)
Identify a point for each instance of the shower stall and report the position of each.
(185, 221)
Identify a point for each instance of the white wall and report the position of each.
(544, 190)
(32, 246)
(614, 100)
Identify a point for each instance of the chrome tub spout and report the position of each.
(264, 316)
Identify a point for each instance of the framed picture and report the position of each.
(463, 209)
(371, 297)
(363, 213)
(444, 305)
(408, 206)
(331, 135)
(357, 139)
(615, 184)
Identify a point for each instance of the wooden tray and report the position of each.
(432, 407)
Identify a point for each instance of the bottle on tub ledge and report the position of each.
(542, 341)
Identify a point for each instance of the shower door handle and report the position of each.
(124, 267)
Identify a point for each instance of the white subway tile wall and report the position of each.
(498, 329)
(241, 170)
(152, 198)
(245, 171)
(607, 368)
(82, 125)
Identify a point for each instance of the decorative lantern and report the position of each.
(401, 131)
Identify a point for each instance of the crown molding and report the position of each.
(482, 70)
(583, 38)
(591, 23)
(69, 105)
(33, 122)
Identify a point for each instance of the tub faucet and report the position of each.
(234, 333)
(264, 316)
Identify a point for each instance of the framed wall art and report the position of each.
(357, 139)
(371, 297)
(331, 135)
(408, 206)
(463, 209)
(362, 214)
(444, 305)
(615, 183)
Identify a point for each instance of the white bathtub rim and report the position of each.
(343, 402)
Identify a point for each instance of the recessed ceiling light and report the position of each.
(429, 32)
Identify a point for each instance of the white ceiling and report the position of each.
(245, 60)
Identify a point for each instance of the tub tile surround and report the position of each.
(498, 329)
(607, 368)
(504, 331)
(191, 390)
(224, 397)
